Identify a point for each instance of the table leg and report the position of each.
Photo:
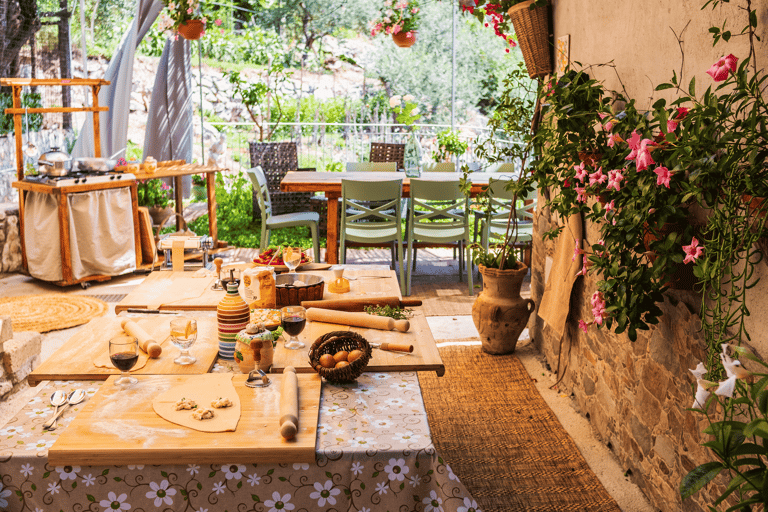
(136, 231)
(332, 251)
(21, 232)
(66, 253)
(213, 230)
(179, 198)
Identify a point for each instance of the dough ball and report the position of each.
(185, 404)
(202, 414)
(341, 355)
(354, 355)
(221, 403)
(327, 361)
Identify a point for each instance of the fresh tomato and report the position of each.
(265, 257)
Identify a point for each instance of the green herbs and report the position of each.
(396, 313)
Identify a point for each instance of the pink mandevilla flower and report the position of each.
(218, 22)
(598, 307)
(581, 172)
(681, 113)
(671, 125)
(663, 176)
(576, 250)
(614, 179)
(719, 70)
(584, 266)
(597, 177)
(610, 206)
(583, 325)
(581, 194)
(644, 158)
(613, 139)
(693, 251)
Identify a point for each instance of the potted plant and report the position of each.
(400, 19)
(156, 195)
(449, 145)
(185, 17)
(199, 191)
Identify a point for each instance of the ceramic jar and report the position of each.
(232, 315)
(254, 348)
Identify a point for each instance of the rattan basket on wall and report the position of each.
(532, 29)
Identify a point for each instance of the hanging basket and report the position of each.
(532, 29)
(405, 39)
(192, 29)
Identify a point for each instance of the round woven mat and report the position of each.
(50, 311)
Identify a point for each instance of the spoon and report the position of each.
(30, 149)
(74, 398)
(58, 398)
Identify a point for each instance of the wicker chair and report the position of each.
(276, 159)
(381, 152)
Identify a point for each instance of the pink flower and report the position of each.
(608, 126)
(610, 206)
(218, 22)
(597, 177)
(576, 250)
(396, 29)
(585, 264)
(693, 251)
(566, 183)
(189, 11)
(634, 141)
(719, 70)
(415, 10)
(681, 113)
(613, 139)
(581, 194)
(644, 158)
(671, 125)
(614, 179)
(598, 307)
(583, 325)
(581, 172)
(602, 115)
(663, 176)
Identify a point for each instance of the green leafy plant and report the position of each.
(405, 109)
(393, 312)
(449, 143)
(154, 192)
(494, 13)
(396, 16)
(261, 99)
(30, 122)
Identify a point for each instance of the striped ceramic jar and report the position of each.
(233, 315)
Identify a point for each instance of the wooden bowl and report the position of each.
(333, 342)
(288, 294)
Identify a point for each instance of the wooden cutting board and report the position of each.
(74, 359)
(425, 356)
(173, 290)
(118, 426)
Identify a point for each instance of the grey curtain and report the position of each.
(113, 124)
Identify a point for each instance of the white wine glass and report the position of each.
(292, 258)
(183, 335)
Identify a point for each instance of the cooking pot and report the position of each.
(95, 164)
(54, 163)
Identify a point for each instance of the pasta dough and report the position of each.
(185, 404)
(221, 403)
(203, 390)
(203, 414)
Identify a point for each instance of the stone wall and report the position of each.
(10, 242)
(20, 354)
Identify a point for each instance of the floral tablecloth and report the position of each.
(374, 453)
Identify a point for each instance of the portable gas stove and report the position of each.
(79, 178)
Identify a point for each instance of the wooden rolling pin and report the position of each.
(146, 342)
(357, 319)
(289, 403)
(360, 304)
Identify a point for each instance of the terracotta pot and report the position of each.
(159, 214)
(590, 157)
(755, 204)
(192, 29)
(499, 312)
(405, 39)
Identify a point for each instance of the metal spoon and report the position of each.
(75, 397)
(58, 398)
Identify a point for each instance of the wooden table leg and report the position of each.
(136, 230)
(66, 252)
(179, 198)
(332, 251)
(210, 185)
(24, 264)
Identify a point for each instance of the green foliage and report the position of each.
(397, 313)
(154, 193)
(31, 122)
(261, 97)
(449, 143)
(405, 109)
(498, 256)
(133, 152)
(397, 16)
(495, 14)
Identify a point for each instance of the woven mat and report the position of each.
(50, 311)
(501, 439)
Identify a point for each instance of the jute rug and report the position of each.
(50, 311)
(501, 439)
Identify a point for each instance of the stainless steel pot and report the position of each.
(95, 164)
(54, 163)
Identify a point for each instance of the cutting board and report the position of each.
(173, 290)
(74, 359)
(118, 426)
(425, 356)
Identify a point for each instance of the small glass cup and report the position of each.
(294, 319)
(292, 258)
(183, 335)
(124, 354)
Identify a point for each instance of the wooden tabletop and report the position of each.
(75, 359)
(182, 169)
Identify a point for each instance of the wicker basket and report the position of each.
(532, 29)
(332, 342)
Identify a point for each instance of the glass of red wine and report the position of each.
(294, 319)
(124, 353)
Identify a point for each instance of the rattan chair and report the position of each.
(276, 159)
(383, 152)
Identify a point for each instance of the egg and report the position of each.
(341, 355)
(342, 364)
(327, 361)
(354, 355)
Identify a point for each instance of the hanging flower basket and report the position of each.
(532, 29)
(192, 29)
(405, 39)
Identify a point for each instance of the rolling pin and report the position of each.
(289, 403)
(360, 304)
(357, 319)
(146, 342)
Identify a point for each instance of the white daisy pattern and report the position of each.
(54, 488)
(469, 505)
(402, 386)
(161, 493)
(331, 409)
(396, 470)
(415, 480)
(382, 488)
(27, 469)
(362, 442)
(233, 471)
(115, 502)
(395, 402)
(38, 413)
(254, 479)
(278, 503)
(12, 431)
(219, 488)
(432, 503)
(451, 474)
(40, 445)
(357, 469)
(193, 469)
(4, 493)
(364, 510)
(380, 376)
(67, 472)
(134, 468)
(381, 423)
(88, 480)
(303, 466)
(406, 437)
(325, 493)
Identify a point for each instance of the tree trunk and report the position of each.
(18, 22)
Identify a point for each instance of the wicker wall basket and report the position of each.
(532, 29)
(331, 343)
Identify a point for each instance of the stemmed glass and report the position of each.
(124, 353)
(183, 335)
(294, 318)
(292, 258)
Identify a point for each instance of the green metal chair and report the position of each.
(440, 167)
(371, 166)
(363, 221)
(285, 220)
(438, 215)
(493, 224)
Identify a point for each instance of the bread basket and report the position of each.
(333, 342)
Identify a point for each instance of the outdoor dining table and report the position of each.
(373, 452)
(330, 184)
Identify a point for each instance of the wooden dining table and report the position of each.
(330, 184)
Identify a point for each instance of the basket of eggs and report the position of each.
(340, 356)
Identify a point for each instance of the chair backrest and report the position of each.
(359, 213)
(371, 166)
(275, 160)
(261, 191)
(500, 202)
(503, 167)
(383, 152)
(438, 200)
(440, 167)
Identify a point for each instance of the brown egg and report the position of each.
(341, 355)
(354, 355)
(342, 364)
(327, 361)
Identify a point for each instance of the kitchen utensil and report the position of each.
(146, 343)
(355, 278)
(30, 149)
(360, 304)
(54, 163)
(91, 164)
(74, 398)
(151, 311)
(57, 399)
(218, 285)
(357, 319)
(257, 379)
(289, 404)
(392, 347)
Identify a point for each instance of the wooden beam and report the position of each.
(52, 81)
(43, 110)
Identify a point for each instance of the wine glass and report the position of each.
(124, 353)
(292, 258)
(183, 335)
(294, 318)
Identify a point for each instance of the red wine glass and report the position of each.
(124, 353)
(294, 319)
